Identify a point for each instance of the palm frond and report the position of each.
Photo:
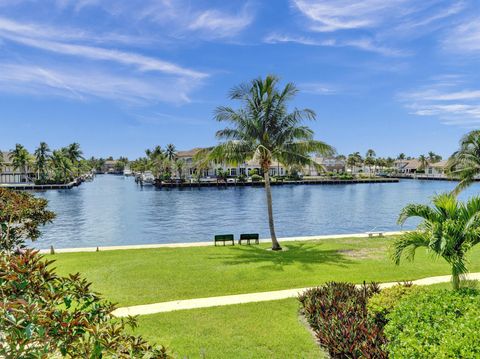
(406, 245)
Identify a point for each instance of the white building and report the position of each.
(437, 169)
(8, 174)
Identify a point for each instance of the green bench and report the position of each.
(248, 237)
(224, 238)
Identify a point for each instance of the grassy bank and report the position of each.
(132, 277)
(254, 330)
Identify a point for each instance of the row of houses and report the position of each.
(276, 169)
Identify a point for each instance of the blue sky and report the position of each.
(121, 76)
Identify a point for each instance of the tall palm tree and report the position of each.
(371, 153)
(42, 153)
(401, 156)
(449, 229)
(179, 166)
(263, 129)
(20, 160)
(465, 162)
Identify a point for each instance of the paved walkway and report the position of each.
(248, 298)
(210, 243)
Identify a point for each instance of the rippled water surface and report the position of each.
(113, 210)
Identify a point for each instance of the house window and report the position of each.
(233, 171)
(243, 171)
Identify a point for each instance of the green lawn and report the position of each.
(255, 330)
(142, 276)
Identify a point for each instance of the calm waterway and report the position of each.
(114, 210)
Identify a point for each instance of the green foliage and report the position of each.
(256, 178)
(21, 215)
(44, 315)
(381, 304)
(242, 178)
(449, 229)
(435, 324)
(337, 313)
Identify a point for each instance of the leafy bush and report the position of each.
(44, 315)
(435, 324)
(21, 215)
(256, 178)
(381, 304)
(337, 313)
(242, 178)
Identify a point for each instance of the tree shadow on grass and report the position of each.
(302, 254)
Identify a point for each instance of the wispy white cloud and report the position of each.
(84, 84)
(452, 102)
(377, 25)
(317, 88)
(221, 24)
(365, 44)
(464, 38)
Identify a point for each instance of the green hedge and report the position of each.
(435, 324)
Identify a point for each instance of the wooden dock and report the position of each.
(280, 183)
(40, 187)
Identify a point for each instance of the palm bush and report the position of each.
(449, 229)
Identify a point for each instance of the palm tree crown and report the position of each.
(20, 158)
(449, 229)
(263, 129)
(465, 163)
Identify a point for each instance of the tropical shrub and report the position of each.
(435, 324)
(382, 303)
(21, 216)
(256, 178)
(242, 178)
(44, 315)
(449, 229)
(337, 313)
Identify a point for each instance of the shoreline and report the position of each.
(211, 243)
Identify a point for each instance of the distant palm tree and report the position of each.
(401, 156)
(423, 162)
(263, 129)
(61, 166)
(74, 154)
(433, 157)
(465, 163)
(449, 229)
(179, 166)
(354, 160)
(20, 160)
(171, 152)
(42, 153)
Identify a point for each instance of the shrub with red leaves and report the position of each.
(44, 315)
(337, 313)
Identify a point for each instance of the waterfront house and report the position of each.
(436, 169)
(407, 167)
(329, 164)
(8, 174)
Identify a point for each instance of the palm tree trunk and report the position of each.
(268, 192)
(455, 280)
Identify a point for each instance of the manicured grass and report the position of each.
(255, 330)
(143, 276)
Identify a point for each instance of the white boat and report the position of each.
(127, 172)
(147, 179)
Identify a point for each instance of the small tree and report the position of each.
(21, 215)
(449, 229)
